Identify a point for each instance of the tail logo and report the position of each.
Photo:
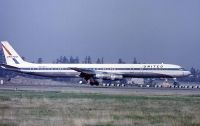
(10, 55)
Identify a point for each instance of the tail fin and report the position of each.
(11, 56)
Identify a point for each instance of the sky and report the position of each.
(153, 31)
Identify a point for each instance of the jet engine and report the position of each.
(109, 76)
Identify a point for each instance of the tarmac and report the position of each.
(83, 88)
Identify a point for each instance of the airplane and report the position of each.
(91, 72)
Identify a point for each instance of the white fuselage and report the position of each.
(90, 71)
(126, 70)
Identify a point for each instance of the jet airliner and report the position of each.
(90, 72)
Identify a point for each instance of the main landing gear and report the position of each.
(176, 83)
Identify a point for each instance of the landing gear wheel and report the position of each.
(176, 84)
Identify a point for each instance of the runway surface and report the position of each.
(99, 89)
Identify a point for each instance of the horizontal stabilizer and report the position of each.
(8, 67)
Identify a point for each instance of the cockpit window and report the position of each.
(182, 69)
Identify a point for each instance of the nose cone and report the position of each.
(186, 73)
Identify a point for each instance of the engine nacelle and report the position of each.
(109, 76)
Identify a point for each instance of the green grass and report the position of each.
(6, 95)
(7, 124)
(90, 109)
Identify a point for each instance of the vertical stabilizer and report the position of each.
(11, 56)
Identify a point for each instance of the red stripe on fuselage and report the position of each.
(7, 50)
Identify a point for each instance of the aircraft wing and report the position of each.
(91, 76)
(88, 71)
(84, 71)
(88, 75)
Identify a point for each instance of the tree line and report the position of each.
(86, 60)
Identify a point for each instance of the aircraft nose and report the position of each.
(186, 73)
